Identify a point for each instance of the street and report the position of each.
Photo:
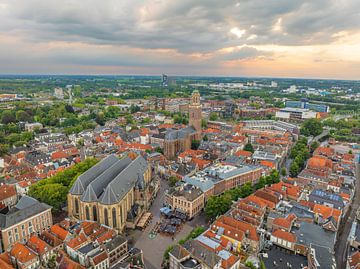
(345, 226)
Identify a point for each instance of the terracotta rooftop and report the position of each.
(38, 245)
(22, 253)
(290, 237)
(5, 262)
(7, 191)
(77, 241)
(59, 232)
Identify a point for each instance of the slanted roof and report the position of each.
(97, 186)
(86, 178)
(25, 208)
(124, 181)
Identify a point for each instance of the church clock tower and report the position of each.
(195, 113)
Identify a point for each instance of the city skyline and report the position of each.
(299, 39)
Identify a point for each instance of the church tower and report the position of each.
(195, 113)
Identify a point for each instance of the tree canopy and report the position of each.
(53, 190)
(311, 127)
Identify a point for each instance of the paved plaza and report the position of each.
(154, 248)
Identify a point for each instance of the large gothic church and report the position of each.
(177, 141)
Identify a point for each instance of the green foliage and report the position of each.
(213, 116)
(299, 154)
(53, 190)
(100, 118)
(218, 205)
(343, 129)
(172, 181)
(134, 109)
(7, 117)
(205, 138)
(166, 255)
(314, 145)
(204, 123)
(311, 127)
(22, 115)
(4, 148)
(159, 150)
(283, 171)
(192, 235)
(181, 118)
(195, 144)
(294, 169)
(250, 265)
(249, 147)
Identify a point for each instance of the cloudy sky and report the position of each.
(281, 38)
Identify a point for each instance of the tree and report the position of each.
(213, 116)
(69, 109)
(205, 138)
(53, 190)
(134, 109)
(173, 180)
(283, 171)
(100, 119)
(203, 124)
(314, 145)
(21, 115)
(311, 127)
(195, 144)
(294, 169)
(4, 148)
(249, 147)
(217, 205)
(7, 117)
(159, 150)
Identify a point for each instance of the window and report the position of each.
(106, 217)
(114, 217)
(87, 213)
(94, 213)
(76, 206)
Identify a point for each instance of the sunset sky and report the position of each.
(273, 38)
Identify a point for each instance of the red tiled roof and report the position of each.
(282, 222)
(327, 212)
(59, 232)
(22, 253)
(100, 257)
(267, 164)
(200, 162)
(244, 153)
(284, 235)
(5, 262)
(38, 245)
(319, 162)
(354, 260)
(77, 241)
(326, 151)
(240, 225)
(7, 191)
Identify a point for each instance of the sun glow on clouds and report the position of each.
(237, 32)
(283, 38)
